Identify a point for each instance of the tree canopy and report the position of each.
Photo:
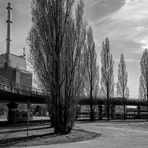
(122, 89)
(143, 88)
(107, 77)
(57, 43)
(92, 71)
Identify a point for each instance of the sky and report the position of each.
(124, 22)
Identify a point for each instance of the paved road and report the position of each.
(114, 135)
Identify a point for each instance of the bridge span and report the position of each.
(114, 101)
(14, 94)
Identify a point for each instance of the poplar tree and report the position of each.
(122, 89)
(92, 71)
(107, 77)
(143, 88)
(57, 46)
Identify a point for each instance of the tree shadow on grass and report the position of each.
(24, 141)
(24, 129)
(13, 141)
(6, 124)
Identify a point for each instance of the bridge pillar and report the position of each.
(138, 111)
(12, 108)
(100, 111)
(113, 111)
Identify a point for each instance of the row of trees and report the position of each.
(107, 77)
(65, 60)
(91, 87)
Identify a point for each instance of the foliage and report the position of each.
(122, 89)
(143, 87)
(57, 43)
(107, 77)
(92, 71)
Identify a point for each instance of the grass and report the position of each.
(41, 135)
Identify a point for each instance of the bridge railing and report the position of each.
(13, 87)
(114, 101)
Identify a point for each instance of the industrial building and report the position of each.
(13, 70)
(14, 67)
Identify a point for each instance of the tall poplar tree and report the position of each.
(143, 88)
(57, 43)
(92, 71)
(122, 89)
(107, 77)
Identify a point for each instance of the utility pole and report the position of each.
(28, 110)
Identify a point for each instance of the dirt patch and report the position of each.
(48, 138)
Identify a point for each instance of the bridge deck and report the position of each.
(114, 101)
(13, 92)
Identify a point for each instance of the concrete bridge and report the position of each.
(14, 94)
(113, 102)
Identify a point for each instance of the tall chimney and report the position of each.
(9, 22)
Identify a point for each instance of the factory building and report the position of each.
(14, 67)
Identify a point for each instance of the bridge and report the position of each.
(113, 102)
(14, 94)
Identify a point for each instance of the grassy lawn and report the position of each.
(40, 135)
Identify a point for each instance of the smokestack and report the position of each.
(9, 22)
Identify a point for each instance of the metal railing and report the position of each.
(16, 88)
(114, 100)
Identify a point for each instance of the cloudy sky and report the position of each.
(125, 22)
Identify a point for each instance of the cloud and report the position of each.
(98, 9)
(140, 28)
(133, 11)
(127, 24)
(93, 3)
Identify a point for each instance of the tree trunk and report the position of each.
(91, 110)
(108, 112)
(124, 106)
(147, 102)
(124, 111)
(91, 102)
(58, 111)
